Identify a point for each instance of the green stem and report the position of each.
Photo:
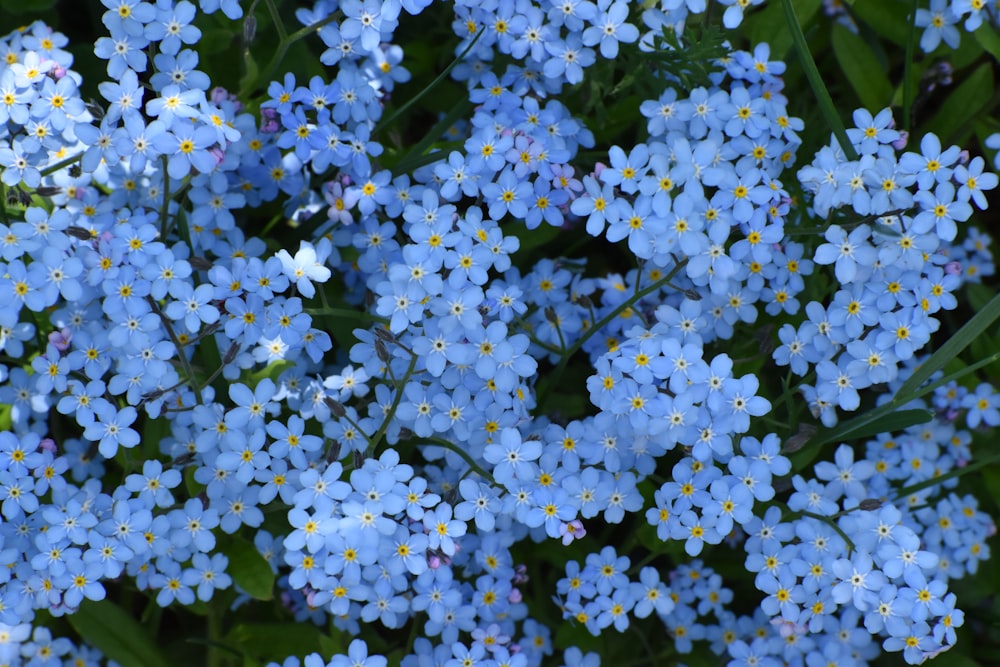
(165, 207)
(591, 332)
(279, 25)
(59, 165)
(452, 447)
(213, 656)
(833, 524)
(346, 313)
(826, 105)
(283, 46)
(952, 474)
(377, 438)
(181, 356)
(908, 69)
(386, 122)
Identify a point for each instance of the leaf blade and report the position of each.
(109, 628)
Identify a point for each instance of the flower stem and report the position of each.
(826, 106)
(386, 122)
(592, 331)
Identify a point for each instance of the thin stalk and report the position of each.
(51, 169)
(165, 207)
(826, 105)
(575, 347)
(386, 122)
(377, 438)
(833, 524)
(473, 466)
(284, 45)
(181, 357)
(279, 25)
(908, 69)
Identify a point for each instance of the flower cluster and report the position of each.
(195, 387)
(883, 311)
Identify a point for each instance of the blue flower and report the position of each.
(983, 406)
(858, 581)
(850, 253)
(207, 575)
(110, 429)
(610, 28)
(154, 484)
(305, 267)
(357, 656)
(193, 306)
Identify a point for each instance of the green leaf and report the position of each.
(862, 68)
(891, 423)
(273, 371)
(249, 570)
(111, 629)
(215, 40)
(830, 113)
(275, 641)
(249, 79)
(888, 18)
(26, 6)
(979, 323)
(988, 38)
(333, 644)
(954, 118)
(879, 420)
(768, 25)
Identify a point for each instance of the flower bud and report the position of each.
(249, 28)
(796, 442)
(870, 504)
(336, 407)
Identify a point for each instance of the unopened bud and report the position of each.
(333, 451)
(359, 459)
(585, 301)
(95, 109)
(231, 353)
(797, 441)
(551, 316)
(81, 233)
(200, 263)
(336, 407)
(384, 334)
(692, 295)
(870, 504)
(765, 340)
(249, 28)
(18, 197)
(381, 352)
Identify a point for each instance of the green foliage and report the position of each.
(25, 7)
(768, 25)
(250, 572)
(691, 58)
(952, 122)
(862, 67)
(264, 642)
(117, 634)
